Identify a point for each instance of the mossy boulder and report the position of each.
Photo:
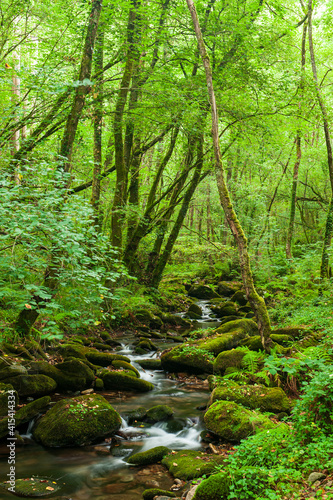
(99, 384)
(202, 292)
(104, 358)
(281, 339)
(65, 380)
(12, 371)
(152, 493)
(148, 318)
(226, 359)
(159, 413)
(118, 363)
(144, 346)
(225, 308)
(4, 388)
(227, 289)
(76, 422)
(253, 343)
(87, 353)
(35, 349)
(194, 311)
(189, 464)
(151, 456)
(31, 410)
(239, 297)
(77, 368)
(232, 422)
(32, 385)
(271, 399)
(33, 487)
(138, 414)
(118, 380)
(247, 325)
(295, 332)
(18, 350)
(150, 364)
(187, 358)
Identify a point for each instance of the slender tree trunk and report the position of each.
(257, 303)
(324, 269)
(98, 122)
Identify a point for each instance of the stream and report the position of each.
(93, 472)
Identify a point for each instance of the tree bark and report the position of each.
(257, 303)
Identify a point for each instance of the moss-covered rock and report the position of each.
(159, 412)
(151, 456)
(66, 381)
(232, 422)
(120, 381)
(189, 464)
(281, 339)
(32, 385)
(145, 345)
(104, 358)
(247, 325)
(87, 353)
(271, 399)
(138, 414)
(31, 410)
(4, 388)
(224, 309)
(77, 368)
(150, 364)
(187, 358)
(227, 289)
(33, 487)
(295, 332)
(225, 359)
(156, 492)
(239, 297)
(118, 363)
(253, 343)
(148, 318)
(194, 311)
(76, 422)
(202, 292)
(99, 384)
(12, 371)
(18, 350)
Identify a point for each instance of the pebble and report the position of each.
(87, 391)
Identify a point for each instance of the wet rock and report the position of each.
(127, 366)
(189, 464)
(121, 381)
(144, 346)
(102, 450)
(32, 385)
(232, 422)
(270, 399)
(150, 364)
(135, 415)
(150, 494)
(148, 457)
(202, 292)
(76, 422)
(159, 413)
(89, 354)
(173, 320)
(196, 310)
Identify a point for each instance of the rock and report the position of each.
(89, 354)
(145, 345)
(65, 380)
(191, 492)
(118, 363)
(227, 289)
(4, 388)
(31, 410)
(189, 464)
(173, 320)
(122, 382)
(149, 457)
(281, 339)
(232, 422)
(18, 350)
(132, 416)
(270, 399)
(99, 384)
(148, 318)
(239, 297)
(76, 422)
(104, 358)
(247, 325)
(12, 371)
(102, 450)
(87, 391)
(253, 343)
(226, 359)
(159, 413)
(35, 349)
(202, 292)
(187, 358)
(32, 385)
(33, 487)
(225, 309)
(77, 368)
(150, 364)
(194, 311)
(316, 476)
(293, 331)
(153, 492)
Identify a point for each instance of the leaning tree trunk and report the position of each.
(257, 303)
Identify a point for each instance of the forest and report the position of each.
(166, 217)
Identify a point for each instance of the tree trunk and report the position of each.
(293, 197)
(257, 303)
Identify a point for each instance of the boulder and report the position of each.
(187, 358)
(270, 399)
(239, 297)
(12, 371)
(232, 422)
(33, 487)
(65, 380)
(202, 292)
(118, 380)
(149, 457)
(118, 363)
(295, 332)
(32, 385)
(225, 309)
(144, 346)
(227, 289)
(154, 493)
(189, 464)
(77, 368)
(159, 412)
(194, 311)
(76, 422)
(31, 410)
(138, 414)
(148, 318)
(226, 359)
(4, 388)
(150, 364)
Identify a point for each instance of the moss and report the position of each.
(99, 384)
(35, 349)
(214, 488)
(248, 325)
(224, 309)
(221, 343)
(134, 415)
(12, 371)
(33, 487)
(31, 410)
(281, 339)
(159, 412)
(189, 464)
(4, 388)
(227, 289)
(186, 358)
(239, 297)
(194, 308)
(118, 363)
(253, 343)
(76, 422)
(226, 359)
(293, 331)
(121, 381)
(151, 456)
(18, 350)
(65, 381)
(87, 353)
(145, 345)
(32, 385)
(104, 359)
(153, 492)
(202, 292)
(232, 422)
(75, 367)
(150, 364)
(271, 399)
